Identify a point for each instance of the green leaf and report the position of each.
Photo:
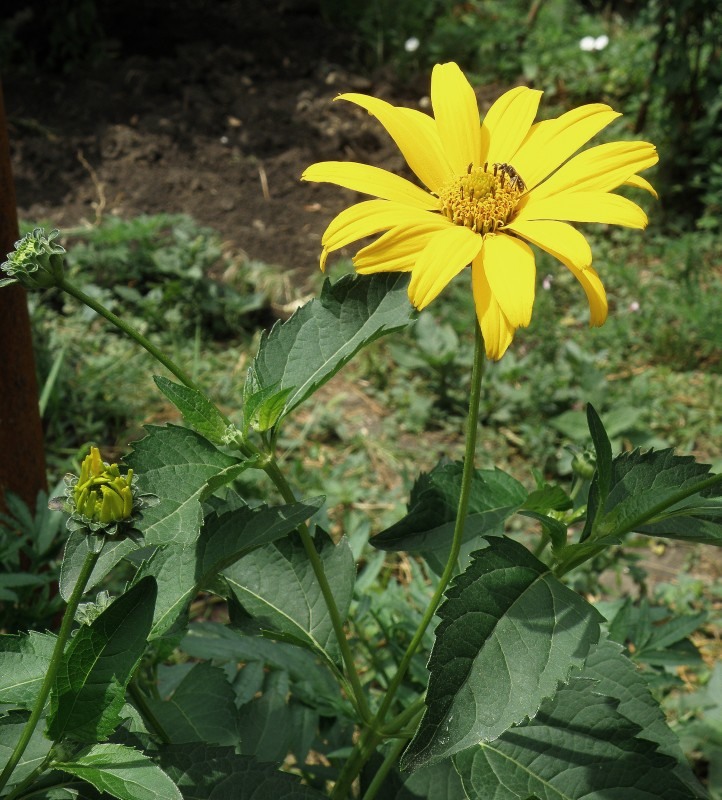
(578, 747)
(76, 551)
(263, 408)
(181, 468)
(202, 772)
(200, 709)
(509, 634)
(617, 677)
(661, 494)
(429, 523)
(89, 688)
(122, 772)
(198, 411)
(276, 585)
(267, 722)
(599, 489)
(11, 728)
(182, 571)
(321, 337)
(24, 661)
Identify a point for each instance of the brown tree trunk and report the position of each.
(22, 456)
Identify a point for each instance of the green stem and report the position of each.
(99, 308)
(373, 735)
(275, 474)
(55, 660)
(391, 758)
(147, 712)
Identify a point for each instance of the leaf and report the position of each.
(617, 677)
(182, 571)
(77, 549)
(276, 585)
(429, 523)
(578, 747)
(263, 408)
(267, 722)
(660, 494)
(198, 411)
(203, 772)
(201, 709)
(509, 634)
(321, 337)
(24, 660)
(89, 688)
(11, 728)
(122, 772)
(181, 468)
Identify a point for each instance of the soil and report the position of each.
(213, 111)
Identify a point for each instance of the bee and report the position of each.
(515, 178)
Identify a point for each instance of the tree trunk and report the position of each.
(22, 456)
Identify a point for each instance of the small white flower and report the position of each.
(547, 282)
(634, 306)
(601, 42)
(411, 45)
(587, 44)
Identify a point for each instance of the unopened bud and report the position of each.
(36, 262)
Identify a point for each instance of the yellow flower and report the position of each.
(492, 188)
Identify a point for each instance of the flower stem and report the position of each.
(147, 712)
(391, 758)
(275, 474)
(55, 660)
(99, 308)
(373, 735)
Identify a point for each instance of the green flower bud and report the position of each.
(101, 500)
(36, 262)
(584, 464)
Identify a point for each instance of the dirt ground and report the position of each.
(213, 111)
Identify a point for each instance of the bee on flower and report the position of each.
(491, 190)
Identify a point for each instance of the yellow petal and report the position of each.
(552, 142)
(601, 169)
(641, 183)
(415, 135)
(398, 249)
(365, 219)
(584, 207)
(443, 258)
(511, 273)
(496, 329)
(457, 116)
(557, 238)
(594, 290)
(507, 124)
(370, 180)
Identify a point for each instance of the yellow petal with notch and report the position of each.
(558, 238)
(511, 273)
(457, 116)
(443, 258)
(496, 329)
(641, 183)
(507, 124)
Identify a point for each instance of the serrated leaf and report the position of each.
(204, 772)
(660, 494)
(429, 523)
(197, 410)
(77, 548)
(24, 660)
(509, 634)
(89, 688)
(617, 677)
(200, 709)
(266, 722)
(122, 772)
(578, 747)
(556, 531)
(182, 571)
(276, 585)
(181, 468)
(11, 728)
(321, 337)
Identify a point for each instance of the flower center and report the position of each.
(484, 199)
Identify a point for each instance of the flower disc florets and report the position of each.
(36, 261)
(101, 500)
(484, 199)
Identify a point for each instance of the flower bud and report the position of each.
(584, 464)
(36, 262)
